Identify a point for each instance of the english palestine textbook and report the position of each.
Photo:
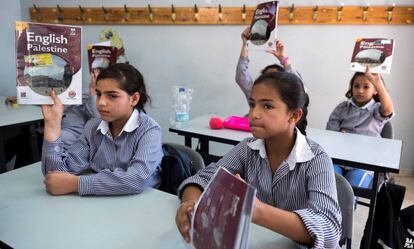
(223, 214)
(48, 56)
(376, 53)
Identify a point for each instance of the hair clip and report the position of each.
(61, 16)
(196, 12)
(315, 13)
(290, 15)
(105, 11)
(220, 13)
(150, 15)
(173, 15)
(365, 12)
(339, 12)
(390, 9)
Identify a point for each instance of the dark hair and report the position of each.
(129, 79)
(349, 94)
(292, 92)
(273, 66)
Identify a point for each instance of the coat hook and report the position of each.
(244, 13)
(220, 13)
(61, 16)
(126, 13)
(173, 15)
(81, 17)
(39, 15)
(365, 12)
(196, 12)
(105, 11)
(339, 12)
(390, 9)
(315, 13)
(290, 15)
(150, 15)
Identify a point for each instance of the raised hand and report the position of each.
(53, 117)
(245, 35)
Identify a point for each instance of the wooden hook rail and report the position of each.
(294, 15)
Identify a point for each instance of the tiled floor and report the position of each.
(361, 213)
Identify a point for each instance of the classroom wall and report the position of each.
(204, 58)
(7, 62)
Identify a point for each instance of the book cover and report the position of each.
(223, 214)
(101, 56)
(263, 26)
(48, 56)
(376, 53)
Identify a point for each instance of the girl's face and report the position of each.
(362, 90)
(269, 115)
(113, 103)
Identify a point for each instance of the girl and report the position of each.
(296, 191)
(122, 149)
(365, 112)
(243, 78)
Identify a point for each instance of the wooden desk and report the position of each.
(370, 153)
(31, 218)
(23, 115)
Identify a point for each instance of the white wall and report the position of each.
(7, 62)
(204, 58)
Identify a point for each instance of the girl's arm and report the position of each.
(53, 118)
(287, 223)
(243, 78)
(191, 189)
(335, 119)
(387, 107)
(190, 196)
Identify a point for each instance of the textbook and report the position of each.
(263, 26)
(48, 56)
(222, 215)
(376, 53)
(101, 56)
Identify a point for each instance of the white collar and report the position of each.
(367, 106)
(129, 126)
(301, 152)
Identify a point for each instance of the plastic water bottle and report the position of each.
(182, 107)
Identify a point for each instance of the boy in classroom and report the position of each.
(293, 175)
(122, 148)
(243, 78)
(367, 109)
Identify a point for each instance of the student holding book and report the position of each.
(122, 149)
(294, 178)
(243, 78)
(367, 109)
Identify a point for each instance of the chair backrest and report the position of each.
(179, 162)
(346, 203)
(387, 131)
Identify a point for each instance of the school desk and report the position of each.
(379, 155)
(31, 218)
(15, 118)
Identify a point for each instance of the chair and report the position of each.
(387, 131)
(346, 203)
(174, 172)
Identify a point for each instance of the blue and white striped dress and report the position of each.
(304, 183)
(122, 165)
